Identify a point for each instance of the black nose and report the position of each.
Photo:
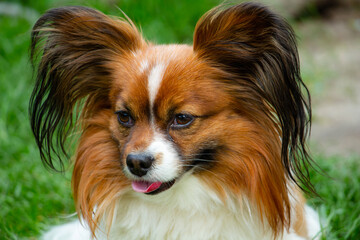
(139, 164)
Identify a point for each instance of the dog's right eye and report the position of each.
(125, 118)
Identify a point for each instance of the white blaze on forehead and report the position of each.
(154, 81)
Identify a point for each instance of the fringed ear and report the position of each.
(74, 45)
(257, 50)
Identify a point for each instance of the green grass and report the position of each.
(32, 198)
(339, 206)
(28, 194)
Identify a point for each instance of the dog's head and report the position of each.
(228, 109)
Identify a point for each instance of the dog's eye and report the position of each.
(125, 118)
(182, 120)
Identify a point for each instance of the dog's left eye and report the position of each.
(125, 118)
(182, 120)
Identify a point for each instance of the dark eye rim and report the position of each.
(175, 125)
(128, 123)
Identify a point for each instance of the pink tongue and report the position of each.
(145, 187)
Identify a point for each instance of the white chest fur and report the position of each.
(188, 210)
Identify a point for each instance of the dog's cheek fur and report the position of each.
(97, 177)
(249, 164)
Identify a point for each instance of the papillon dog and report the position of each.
(202, 141)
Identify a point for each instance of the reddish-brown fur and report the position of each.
(249, 162)
(232, 79)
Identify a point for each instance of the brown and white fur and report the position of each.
(177, 141)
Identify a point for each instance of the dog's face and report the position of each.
(169, 113)
(228, 109)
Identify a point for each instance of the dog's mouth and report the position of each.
(151, 187)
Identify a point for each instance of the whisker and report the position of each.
(199, 167)
(201, 160)
(204, 153)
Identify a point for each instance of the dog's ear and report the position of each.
(257, 50)
(73, 46)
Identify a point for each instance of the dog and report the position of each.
(176, 141)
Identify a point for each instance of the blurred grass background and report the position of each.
(32, 199)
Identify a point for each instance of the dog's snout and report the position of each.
(139, 164)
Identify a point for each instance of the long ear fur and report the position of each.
(258, 51)
(74, 44)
